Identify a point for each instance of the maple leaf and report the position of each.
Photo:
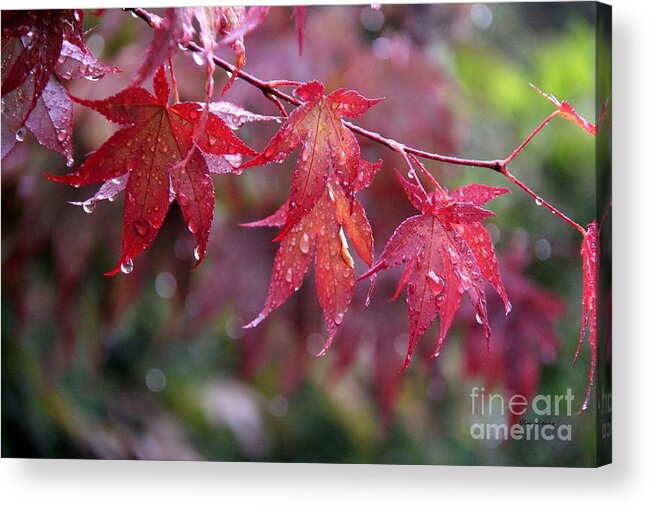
(163, 153)
(325, 142)
(590, 312)
(568, 112)
(321, 234)
(521, 341)
(33, 97)
(446, 251)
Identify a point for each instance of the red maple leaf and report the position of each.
(33, 97)
(164, 153)
(325, 142)
(321, 234)
(567, 111)
(590, 256)
(521, 341)
(446, 251)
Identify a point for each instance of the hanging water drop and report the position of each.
(20, 134)
(127, 266)
(88, 207)
(197, 253)
(539, 201)
(288, 276)
(304, 243)
(62, 135)
(339, 318)
(479, 319)
(198, 59)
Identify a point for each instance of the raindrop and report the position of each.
(304, 243)
(20, 134)
(2, 106)
(89, 206)
(288, 275)
(91, 77)
(141, 227)
(197, 253)
(198, 59)
(62, 134)
(509, 307)
(435, 282)
(479, 319)
(339, 318)
(134, 15)
(127, 266)
(539, 201)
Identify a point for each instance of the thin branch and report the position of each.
(535, 132)
(269, 89)
(541, 202)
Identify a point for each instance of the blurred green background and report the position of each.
(156, 365)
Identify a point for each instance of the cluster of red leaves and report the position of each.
(321, 209)
(216, 27)
(39, 50)
(165, 152)
(447, 252)
(521, 341)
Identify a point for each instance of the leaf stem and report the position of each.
(173, 77)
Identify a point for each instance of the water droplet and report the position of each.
(479, 319)
(197, 253)
(288, 275)
(20, 134)
(194, 114)
(304, 243)
(141, 227)
(89, 206)
(70, 162)
(198, 59)
(127, 266)
(91, 77)
(539, 201)
(435, 282)
(2, 106)
(339, 318)
(509, 307)
(62, 135)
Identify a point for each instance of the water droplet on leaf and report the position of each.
(127, 266)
